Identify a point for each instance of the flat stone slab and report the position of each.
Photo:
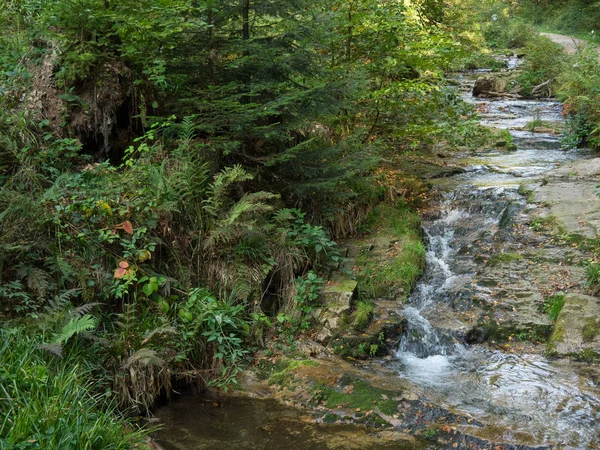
(577, 328)
(574, 205)
(582, 168)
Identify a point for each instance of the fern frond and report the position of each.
(219, 189)
(146, 357)
(37, 279)
(157, 332)
(52, 347)
(61, 302)
(253, 202)
(84, 309)
(76, 326)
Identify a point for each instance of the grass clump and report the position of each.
(593, 277)
(553, 306)
(362, 315)
(51, 404)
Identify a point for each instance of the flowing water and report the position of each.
(527, 398)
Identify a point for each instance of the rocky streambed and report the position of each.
(497, 346)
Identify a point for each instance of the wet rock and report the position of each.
(509, 214)
(577, 329)
(579, 170)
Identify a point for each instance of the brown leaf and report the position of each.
(127, 227)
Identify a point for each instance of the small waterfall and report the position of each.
(420, 338)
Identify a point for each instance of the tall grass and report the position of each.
(49, 403)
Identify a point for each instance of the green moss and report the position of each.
(394, 277)
(393, 274)
(283, 371)
(503, 258)
(558, 335)
(590, 330)
(524, 191)
(430, 433)
(588, 356)
(359, 346)
(342, 285)
(330, 418)
(490, 330)
(358, 394)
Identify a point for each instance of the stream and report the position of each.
(526, 398)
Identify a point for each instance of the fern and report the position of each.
(146, 357)
(219, 189)
(61, 301)
(37, 279)
(75, 326)
(82, 310)
(157, 332)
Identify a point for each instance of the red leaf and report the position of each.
(123, 264)
(120, 272)
(127, 227)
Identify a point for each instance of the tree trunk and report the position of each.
(246, 19)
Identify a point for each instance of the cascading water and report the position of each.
(526, 398)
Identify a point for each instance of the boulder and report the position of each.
(486, 85)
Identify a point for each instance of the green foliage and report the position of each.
(579, 90)
(155, 153)
(544, 61)
(39, 396)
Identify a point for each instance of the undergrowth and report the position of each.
(52, 403)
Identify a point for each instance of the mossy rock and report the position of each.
(360, 396)
(577, 329)
(283, 372)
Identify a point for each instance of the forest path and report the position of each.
(570, 44)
